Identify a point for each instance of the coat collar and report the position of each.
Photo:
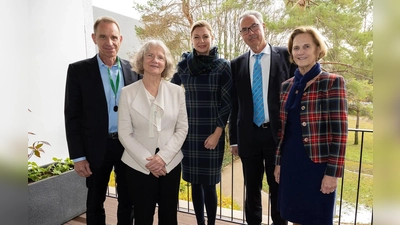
(141, 102)
(126, 71)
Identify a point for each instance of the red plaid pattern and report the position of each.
(324, 121)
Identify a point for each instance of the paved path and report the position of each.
(238, 186)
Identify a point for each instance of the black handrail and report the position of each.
(230, 216)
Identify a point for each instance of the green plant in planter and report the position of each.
(36, 173)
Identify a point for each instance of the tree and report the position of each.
(357, 94)
(346, 25)
(350, 49)
(171, 20)
(165, 21)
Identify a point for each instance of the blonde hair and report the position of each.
(201, 23)
(316, 36)
(138, 58)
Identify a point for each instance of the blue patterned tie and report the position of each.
(258, 116)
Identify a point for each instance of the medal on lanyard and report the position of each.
(114, 87)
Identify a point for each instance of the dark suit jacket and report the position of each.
(86, 112)
(241, 119)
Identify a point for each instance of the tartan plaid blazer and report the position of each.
(323, 118)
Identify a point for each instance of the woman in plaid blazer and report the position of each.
(311, 150)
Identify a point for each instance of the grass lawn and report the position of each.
(353, 164)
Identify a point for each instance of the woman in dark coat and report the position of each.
(207, 81)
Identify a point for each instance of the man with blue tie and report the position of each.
(254, 123)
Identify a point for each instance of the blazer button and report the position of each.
(305, 139)
(303, 107)
(303, 124)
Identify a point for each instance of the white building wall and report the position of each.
(58, 33)
(13, 58)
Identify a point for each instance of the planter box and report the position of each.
(57, 199)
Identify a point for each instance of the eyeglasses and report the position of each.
(151, 56)
(254, 27)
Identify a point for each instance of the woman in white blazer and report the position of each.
(152, 126)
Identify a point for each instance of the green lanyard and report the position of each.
(114, 87)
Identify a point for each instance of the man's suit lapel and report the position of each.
(245, 71)
(97, 82)
(126, 71)
(275, 60)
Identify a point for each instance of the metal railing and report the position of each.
(237, 216)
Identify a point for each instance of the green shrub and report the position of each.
(36, 173)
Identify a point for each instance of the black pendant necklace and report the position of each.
(115, 108)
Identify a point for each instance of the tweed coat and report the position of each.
(208, 103)
(323, 115)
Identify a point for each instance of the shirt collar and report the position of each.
(101, 63)
(266, 51)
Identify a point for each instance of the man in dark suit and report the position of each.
(91, 104)
(255, 142)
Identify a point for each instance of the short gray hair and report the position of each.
(254, 13)
(105, 19)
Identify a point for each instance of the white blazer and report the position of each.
(141, 133)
